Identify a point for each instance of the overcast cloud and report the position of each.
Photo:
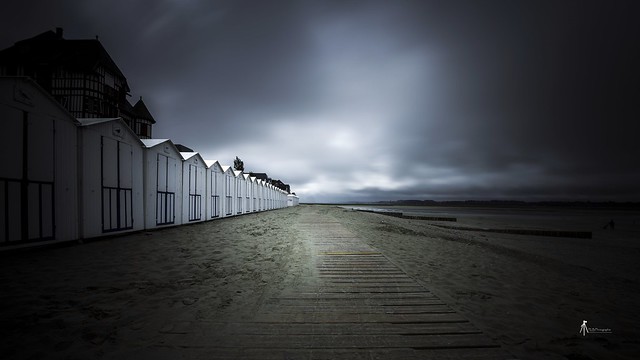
(380, 100)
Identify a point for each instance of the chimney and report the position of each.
(59, 31)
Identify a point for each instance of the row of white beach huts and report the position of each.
(64, 178)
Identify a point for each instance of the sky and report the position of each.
(383, 100)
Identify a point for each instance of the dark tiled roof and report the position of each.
(52, 49)
(126, 106)
(183, 148)
(142, 112)
(261, 176)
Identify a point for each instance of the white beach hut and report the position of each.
(215, 189)
(270, 196)
(292, 200)
(248, 186)
(162, 183)
(240, 189)
(261, 191)
(254, 193)
(111, 177)
(229, 190)
(193, 187)
(38, 175)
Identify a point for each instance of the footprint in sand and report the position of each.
(189, 301)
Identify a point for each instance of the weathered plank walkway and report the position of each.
(358, 305)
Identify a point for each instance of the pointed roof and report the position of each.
(141, 111)
(84, 122)
(226, 168)
(213, 163)
(94, 121)
(22, 93)
(187, 155)
(149, 143)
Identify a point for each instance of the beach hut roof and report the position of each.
(213, 163)
(225, 168)
(237, 173)
(188, 155)
(95, 121)
(150, 143)
(19, 93)
(84, 122)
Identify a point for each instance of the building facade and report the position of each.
(80, 75)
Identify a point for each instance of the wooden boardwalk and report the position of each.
(358, 305)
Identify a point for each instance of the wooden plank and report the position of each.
(339, 328)
(359, 309)
(341, 301)
(300, 295)
(460, 340)
(363, 318)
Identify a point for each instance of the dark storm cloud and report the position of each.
(360, 100)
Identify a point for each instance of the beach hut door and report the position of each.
(215, 198)
(166, 195)
(117, 185)
(27, 178)
(195, 200)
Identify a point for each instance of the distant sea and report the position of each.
(533, 217)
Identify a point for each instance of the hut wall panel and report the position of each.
(112, 189)
(40, 180)
(11, 140)
(163, 189)
(194, 190)
(213, 193)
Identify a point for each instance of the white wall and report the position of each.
(163, 186)
(50, 207)
(110, 163)
(194, 189)
(215, 191)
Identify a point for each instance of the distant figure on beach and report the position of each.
(611, 225)
(583, 328)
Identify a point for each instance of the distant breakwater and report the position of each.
(534, 232)
(402, 215)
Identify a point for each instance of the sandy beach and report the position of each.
(117, 297)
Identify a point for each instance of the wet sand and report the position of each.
(102, 299)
